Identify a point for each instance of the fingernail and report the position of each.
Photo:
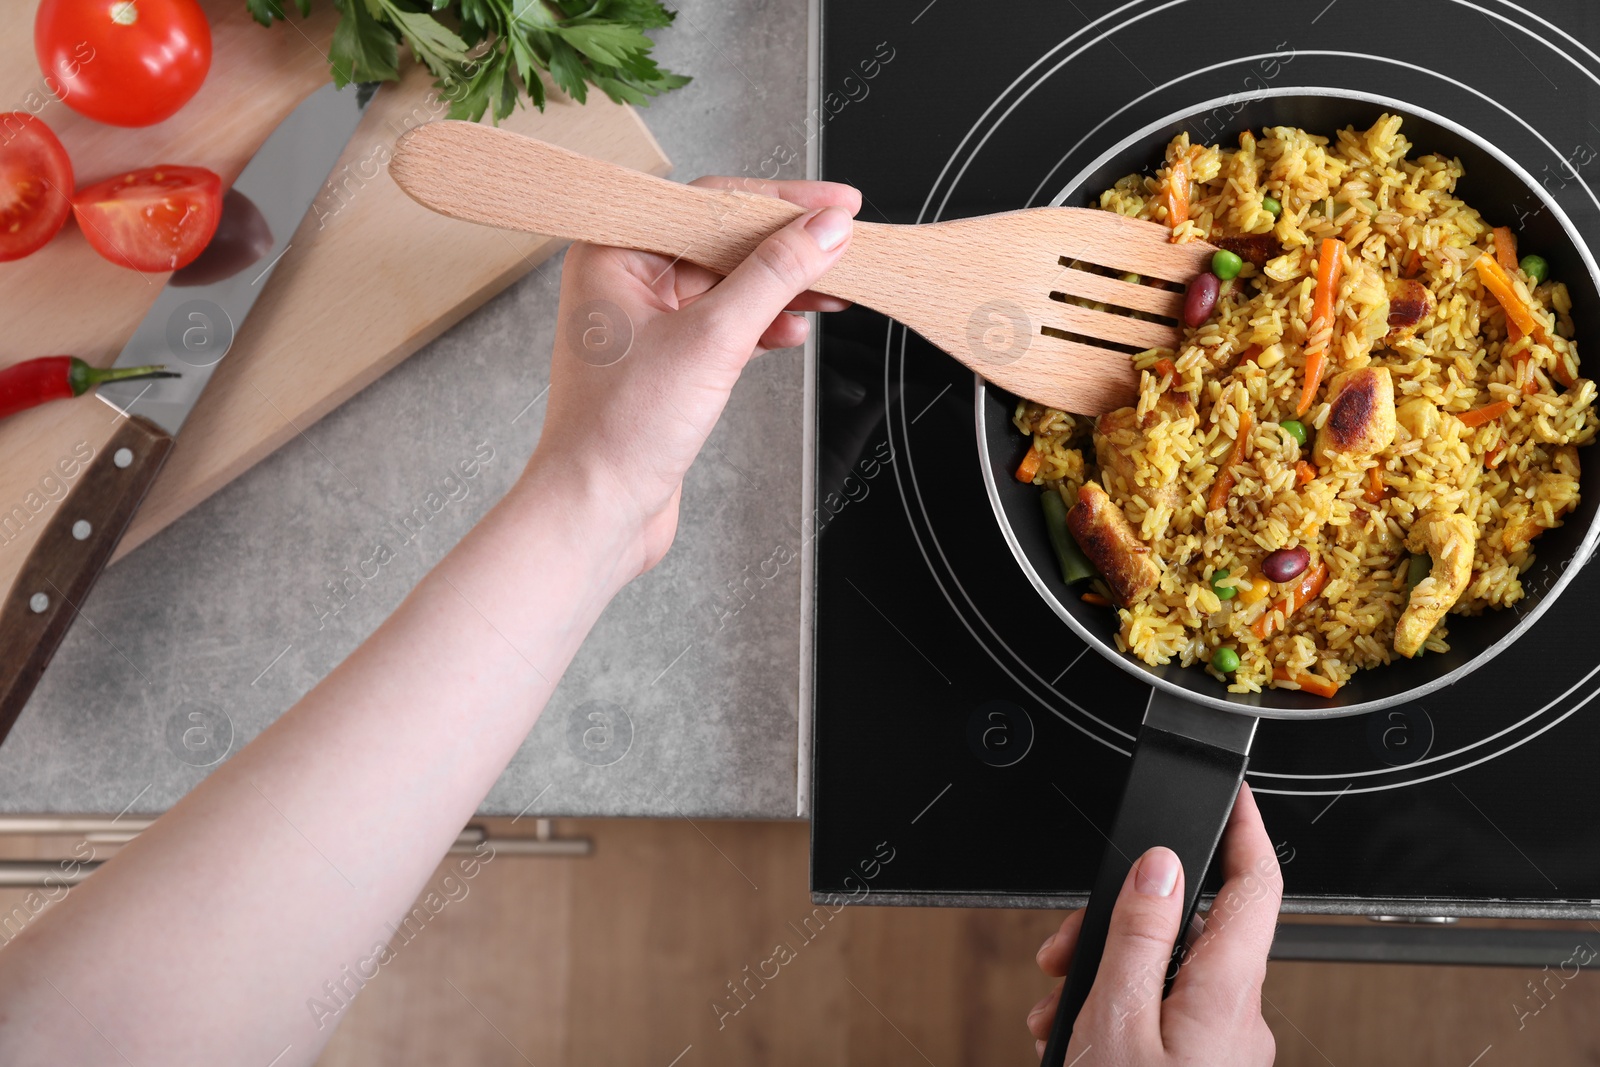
(829, 227)
(1158, 872)
(1045, 947)
(1044, 1002)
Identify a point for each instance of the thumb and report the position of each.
(780, 268)
(1144, 927)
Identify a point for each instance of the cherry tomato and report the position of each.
(158, 218)
(35, 185)
(123, 62)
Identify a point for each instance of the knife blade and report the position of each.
(190, 328)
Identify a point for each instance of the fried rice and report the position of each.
(1438, 484)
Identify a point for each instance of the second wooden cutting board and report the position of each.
(369, 278)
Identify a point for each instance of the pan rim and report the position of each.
(1236, 703)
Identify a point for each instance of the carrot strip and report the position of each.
(1330, 264)
(1492, 460)
(1505, 248)
(1225, 477)
(1374, 491)
(1178, 193)
(1304, 473)
(1498, 282)
(1487, 413)
(1308, 392)
(1166, 369)
(1095, 599)
(1411, 266)
(1305, 591)
(1249, 355)
(1514, 332)
(1029, 466)
(1314, 684)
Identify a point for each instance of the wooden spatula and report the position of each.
(989, 290)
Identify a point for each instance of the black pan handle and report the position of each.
(1186, 771)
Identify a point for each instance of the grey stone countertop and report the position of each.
(213, 628)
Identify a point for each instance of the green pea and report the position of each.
(1226, 264)
(1535, 267)
(1224, 592)
(1271, 206)
(1295, 429)
(1225, 660)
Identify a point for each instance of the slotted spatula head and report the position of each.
(1004, 294)
(996, 291)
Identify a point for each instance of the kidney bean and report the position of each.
(1286, 564)
(1201, 298)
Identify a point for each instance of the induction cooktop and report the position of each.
(967, 747)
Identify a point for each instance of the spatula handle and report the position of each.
(480, 174)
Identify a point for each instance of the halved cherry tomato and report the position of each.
(123, 62)
(35, 185)
(158, 218)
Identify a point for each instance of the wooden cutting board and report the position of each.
(368, 279)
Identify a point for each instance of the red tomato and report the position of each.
(123, 62)
(154, 219)
(35, 185)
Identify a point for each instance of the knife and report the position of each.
(190, 329)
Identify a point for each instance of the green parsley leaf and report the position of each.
(438, 48)
(264, 11)
(609, 43)
(489, 55)
(566, 67)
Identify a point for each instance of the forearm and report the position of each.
(288, 863)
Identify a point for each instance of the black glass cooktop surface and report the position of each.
(960, 729)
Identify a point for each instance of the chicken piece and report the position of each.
(1420, 417)
(1104, 534)
(1558, 486)
(1119, 438)
(1169, 405)
(1361, 419)
(1449, 540)
(1409, 303)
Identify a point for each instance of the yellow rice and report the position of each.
(1361, 188)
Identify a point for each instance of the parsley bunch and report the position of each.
(486, 54)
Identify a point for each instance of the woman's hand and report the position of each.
(1214, 1013)
(648, 348)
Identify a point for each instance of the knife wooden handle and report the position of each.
(70, 554)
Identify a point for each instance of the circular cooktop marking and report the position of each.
(916, 533)
(961, 145)
(999, 732)
(905, 436)
(1503, 732)
(1440, 774)
(939, 180)
(1334, 54)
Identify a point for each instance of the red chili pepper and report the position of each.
(32, 382)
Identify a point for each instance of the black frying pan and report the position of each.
(1194, 743)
